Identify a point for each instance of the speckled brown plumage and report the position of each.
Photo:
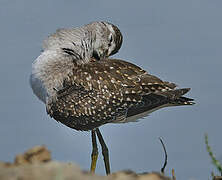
(110, 90)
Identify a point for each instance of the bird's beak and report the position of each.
(106, 54)
(96, 55)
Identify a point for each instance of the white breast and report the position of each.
(38, 88)
(48, 73)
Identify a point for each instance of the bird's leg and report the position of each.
(105, 151)
(94, 154)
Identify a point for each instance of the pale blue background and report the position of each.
(180, 41)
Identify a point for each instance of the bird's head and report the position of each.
(107, 39)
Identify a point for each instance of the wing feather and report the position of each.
(105, 91)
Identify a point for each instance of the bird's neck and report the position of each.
(48, 73)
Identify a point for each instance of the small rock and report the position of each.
(33, 155)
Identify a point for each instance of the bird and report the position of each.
(96, 39)
(91, 42)
(86, 94)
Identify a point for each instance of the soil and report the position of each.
(36, 164)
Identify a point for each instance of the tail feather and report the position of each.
(177, 97)
(182, 101)
(153, 102)
(174, 94)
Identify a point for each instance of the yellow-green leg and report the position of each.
(94, 154)
(105, 151)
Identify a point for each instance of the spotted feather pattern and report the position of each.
(107, 91)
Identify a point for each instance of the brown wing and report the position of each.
(105, 91)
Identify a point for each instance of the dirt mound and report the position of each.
(36, 164)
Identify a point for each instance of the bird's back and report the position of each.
(111, 91)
